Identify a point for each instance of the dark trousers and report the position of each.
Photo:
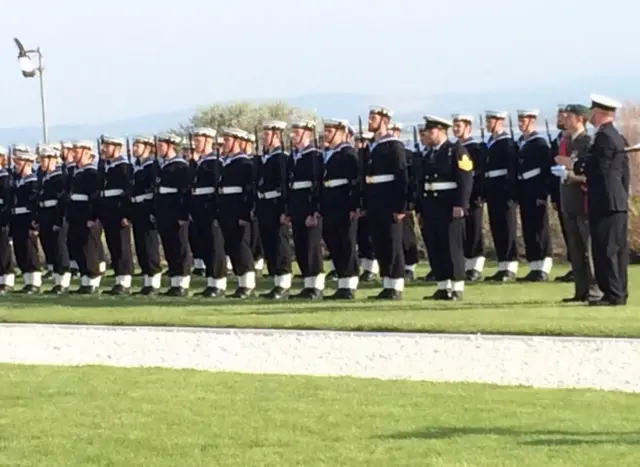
(213, 247)
(25, 247)
(6, 255)
(387, 238)
(308, 247)
(445, 238)
(175, 243)
(255, 241)
(579, 249)
(610, 254)
(196, 242)
(276, 240)
(502, 221)
(473, 236)
(424, 224)
(119, 244)
(409, 241)
(339, 234)
(147, 243)
(54, 245)
(365, 242)
(86, 246)
(535, 230)
(565, 233)
(237, 241)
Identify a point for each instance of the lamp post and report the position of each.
(29, 70)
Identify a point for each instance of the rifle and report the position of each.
(192, 151)
(99, 155)
(481, 120)
(511, 128)
(128, 143)
(546, 124)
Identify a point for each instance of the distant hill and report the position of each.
(408, 108)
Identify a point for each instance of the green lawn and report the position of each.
(510, 308)
(65, 417)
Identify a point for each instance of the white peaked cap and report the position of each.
(204, 131)
(395, 126)
(24, 156)
(274, 125)
(234, 133)
(144, 139)
(48, 150)
(169, 138)
(303, 123)
(116, 140)
(462, 118)
(603, 102)
(335, 122)
(499, 114)
(19, 147)
(523, 113)
(83, 144)
(380, 110)
(432, 119)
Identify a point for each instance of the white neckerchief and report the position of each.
(53, 173)
(273, 152)
(148, 161)
(229, 159)
(499, 137)
(522, 142)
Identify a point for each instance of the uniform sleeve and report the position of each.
(283, 166)
(32, 203)
(401, 180)
(417, 179)
(63, 199)
(549, 181)
(512, 164)
(92, 186)
(249, 190)
(363, 158)
(603, 152)
(318, 171)
(353, 171)
(463, 169)
(183, 182)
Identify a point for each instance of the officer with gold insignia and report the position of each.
(443, 199)
(7, 278)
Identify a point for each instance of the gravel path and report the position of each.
(545, 362)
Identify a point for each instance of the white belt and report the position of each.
(79, 197)
(230, 190)
(203, 190)
(374, 179)
(529, 174)
(141, 198)
(21, 210)
(273, 194)
(1, 202)
(336, 182)
(496, 173)
(302, 185)
(112, 193)
(165, 190)
(437, 186)
(49, 203)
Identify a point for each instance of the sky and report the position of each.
(108, 61)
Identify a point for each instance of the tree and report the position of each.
(245, 115)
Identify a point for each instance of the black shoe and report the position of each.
(242, 292)
(439, 295)
(57, 290)
(530, 277)
(86, 290)
(430, 277)
(199, 272)
(387, 294)
(75, 273)
(332, 275)
(409, 275)
(568, 277)
(117, 290)
(307, 294)
(606, 301)
(30, 289)
(456, 296)
(212, 292)
(539, 276)
(575, 299)
(277, 293)
(472, 275)
(342, 294)
(47, 275)
(367, 276)
(177, 292)
(147, 291)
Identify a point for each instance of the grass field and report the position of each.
(491, 309)
(66, 417)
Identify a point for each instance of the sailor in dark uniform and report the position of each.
(409, 240)
(142, 214)
(420, 150)
(115, 211)
(303, 207)
(250, 147)
(447, 174)
(7, 278)
(500, 174)
(203, 207)
(533, 184)
(340, 206)
(368, 263)
(607, 172)
(192, 151)
(85, 232)
(172, 213)
(474, 238)
(69, 167)
(57, 149)
(24, 225)
(385, 201)
(271, 209)
(52, 218)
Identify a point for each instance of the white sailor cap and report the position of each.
(432, 122)
(19, 147)
(379, 110)
(528, 113)
(605, 103)
(351, 130)
(48, 150)
(3, 151)
(248, 137)
(335, 123)
(66, 145)
(234, 133)
(83, 144)
(365, 135)
(143, 139)
(303, 124)
(169, 138)
(56, 147)
(115, 140)
(188, 144)
(204, 131)
(23, 155)
(462, 118)
(219, 140)
(499, 114)
(274, 125)
(394, 126)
